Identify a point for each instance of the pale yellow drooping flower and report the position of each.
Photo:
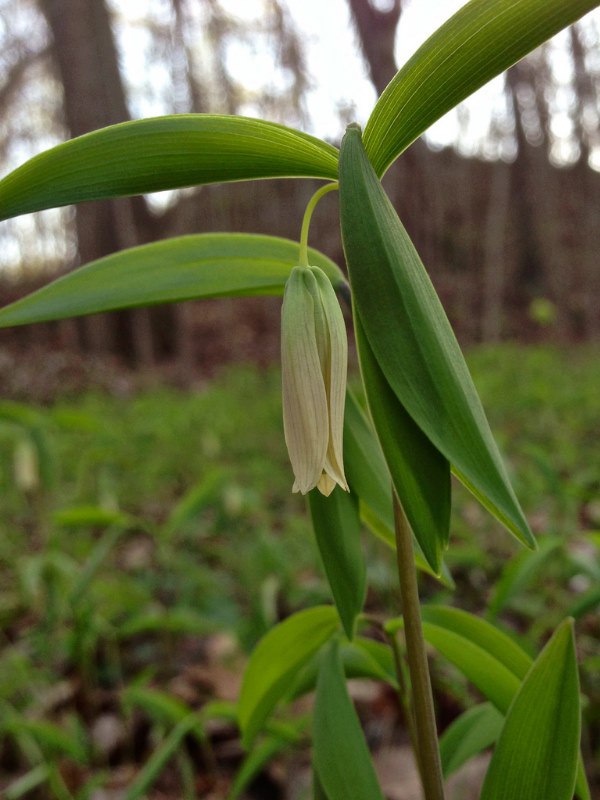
(314, 359)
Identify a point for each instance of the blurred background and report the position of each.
(500, 197)
(148, 534)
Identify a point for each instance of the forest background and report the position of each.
(133, 585)
(504, 220)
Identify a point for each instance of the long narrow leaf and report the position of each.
(361, 658)
(487, 657)
(337, 530)
(479, 42)
(411, 339)
(275, 662)
(369, 478)
(536, 754)
(340, 753)
(420, 473)
(472, 732)
(151, 155)
(153, 768)
(183, 268)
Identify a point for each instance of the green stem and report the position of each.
(404, 694)
(428, 756)
(329, 187)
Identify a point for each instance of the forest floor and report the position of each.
(150, 538)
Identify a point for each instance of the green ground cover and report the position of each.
(136, 529)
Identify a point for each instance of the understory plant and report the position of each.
(385, 463)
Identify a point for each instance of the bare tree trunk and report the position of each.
(377, 33)
(87, 62)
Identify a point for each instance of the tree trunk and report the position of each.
(87, 63)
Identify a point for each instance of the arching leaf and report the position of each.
(183, 268)
(151, 155)
(480, 41)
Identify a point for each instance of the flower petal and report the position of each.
(305, 414)
(335, 376)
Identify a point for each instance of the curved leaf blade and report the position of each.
(537, 752)
(370, 479)
(337, 530)
(151, 155)
(490, 659)
(449, 66)
(468, 735)
(340, 753)
(482, 633)
(275, 661)
(182, 268)
(420, 473)
(361, 658)
(412, 342)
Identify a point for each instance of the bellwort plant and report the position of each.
(385, 466)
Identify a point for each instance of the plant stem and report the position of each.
(404, 693)
(428, 757)
(329, 187)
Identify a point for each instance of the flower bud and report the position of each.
(314, 359)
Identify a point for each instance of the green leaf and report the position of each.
(183, 268)
(411, 340)
(275, 661)
(159, 706)
(536, 754)
(159, 759)
(420, 473)
(318, 790)
(178, 620)
(254, 763)
(487, 657)
(195, 501)
(340, 753)
(264, 753)
(91, 517)
(370, 479)
(469, 734)
(26, 783)
(518, 572)
(51, 738)
(480, 41)
(361, 658)
(481, 633)
(151, 155)
(337, 530)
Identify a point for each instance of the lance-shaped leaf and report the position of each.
(370, 479)
(420, 473)
(183, 268)
(536, 754)
(275, 662)
(340, 753)
(469, 734)
(487, 657)
(480, 41)
(152, 155)
(337, 530)
(411, 339)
